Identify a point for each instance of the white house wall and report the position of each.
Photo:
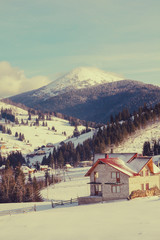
(104, 176)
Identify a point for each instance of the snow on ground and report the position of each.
(80, 139)
(134, 143)
(136, 219)
(74, 185)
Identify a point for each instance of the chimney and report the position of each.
(106, 156)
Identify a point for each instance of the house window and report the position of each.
(118, 189)
(115, 189)
(113, 174)
(142, 187)
(141, 174)
(147, 186)
(95, 176)
(146, 173)
(116, 175)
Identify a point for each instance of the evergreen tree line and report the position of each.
(67, 153)
(3, 129)
(144, 114)
(20, 136)
(14, 189)
(151, 149)
(123, 125)
(48, 116)
(13, 160)
(7, 114)
(42, 115)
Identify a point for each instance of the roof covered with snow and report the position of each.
(124, 156)
(132, 167)
(120, 165)
(138, 163)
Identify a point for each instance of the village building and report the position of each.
(45, 168)
(2, 146)
(85, 163)
(40, 152)
(115, 176)
(67, 166)
(27, 170)
(49, 145)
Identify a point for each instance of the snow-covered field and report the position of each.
(126, 220)
(74, 185)
(36, 136)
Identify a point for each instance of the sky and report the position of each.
(43, 39)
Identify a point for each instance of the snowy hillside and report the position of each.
(79, 78)
(134, 143)
(36, 136)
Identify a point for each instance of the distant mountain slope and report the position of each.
(95, 103)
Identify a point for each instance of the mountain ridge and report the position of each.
(96, 103)
(90, 94)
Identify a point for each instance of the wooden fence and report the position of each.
(63, 202)
(34, 208)
(17, 211)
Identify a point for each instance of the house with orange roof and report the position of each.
(2, 146)
(115, 176)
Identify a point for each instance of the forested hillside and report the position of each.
(108, 137)
(95, 103)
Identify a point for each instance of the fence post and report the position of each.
(52, 203)
(35, 208)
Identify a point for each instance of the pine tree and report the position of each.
(28, 194)
(60, 159)
(16, 134)
(78, 159)
(36, 191)
(146, 149)
(19, 190)
(7, 185)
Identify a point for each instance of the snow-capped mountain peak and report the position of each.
(78, 78)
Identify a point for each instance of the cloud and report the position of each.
(13, 81)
